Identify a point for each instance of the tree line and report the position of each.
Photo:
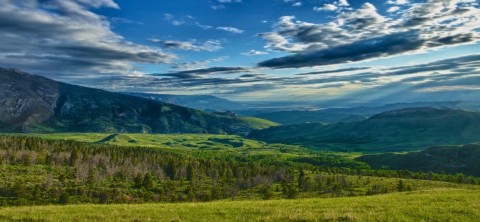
(43, 171)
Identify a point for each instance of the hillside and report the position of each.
(449, 159)
(399, 130)
(430, 205)
(209, 145)
(298, 116)
(37, 104)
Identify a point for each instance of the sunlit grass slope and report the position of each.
(184, 143)
(431, 205)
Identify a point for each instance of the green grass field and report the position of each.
(196, 144)
(430, 205)
(189, 141)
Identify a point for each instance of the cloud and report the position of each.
(335, 71)
(462, 64)
(393, 9)
(398, 2)
(254, 53)
(189, 20)
(209, 46)
(229, 1)
(252, 75)
(173, 20)
(358, 51)
(64, 38)
(99, 3)
(335, 6)
(220, 4)
(230, 29)
(343, 3)
(363, 34)
(450, 88)
(421, 82)
(297, 4)
(326, 7)
(197, 64)
(196, 73)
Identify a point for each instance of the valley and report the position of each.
(240, 110)
(68, 145)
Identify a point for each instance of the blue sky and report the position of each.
(275, 50)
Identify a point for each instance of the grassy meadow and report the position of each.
(429, 205)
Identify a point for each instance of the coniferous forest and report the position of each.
(44, 171)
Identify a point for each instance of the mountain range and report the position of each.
(32, 103)
(287, 113)
(200, 102)
(398, 130)
(446, 159)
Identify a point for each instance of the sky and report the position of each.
(340, 51)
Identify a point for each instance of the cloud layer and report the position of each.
(364, 33)
(60, 37)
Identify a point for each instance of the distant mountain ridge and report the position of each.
(31, 103)
(201, 102)
(399, 130)
(335, 115)
(447, 159)
(299, 116)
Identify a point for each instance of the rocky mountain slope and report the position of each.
(31, 103)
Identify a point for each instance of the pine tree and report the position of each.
(400, 186)
(148, 182)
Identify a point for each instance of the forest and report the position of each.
(39, 171)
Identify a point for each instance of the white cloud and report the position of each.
(254, 53)
(343, 3)
(194, 45)
(398, 2)
(172, 20)
(326, 7)
(420, 26)
(450, 88)
(100, 3)
(190, 20)
(393, 9)
(230, 29)
(297, 4)
(335, 6)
